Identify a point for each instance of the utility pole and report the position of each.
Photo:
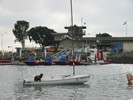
(2, 45)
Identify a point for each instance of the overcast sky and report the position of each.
(100, 16)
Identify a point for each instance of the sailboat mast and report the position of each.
(71, 13)
(72, 37)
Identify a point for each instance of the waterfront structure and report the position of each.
(66, 39)
(104, 43)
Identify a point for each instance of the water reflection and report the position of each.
(65, 92)
(38, 88)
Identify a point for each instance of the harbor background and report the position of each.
(107, 82)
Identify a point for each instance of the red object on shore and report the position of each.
(99, 54)
(109, 61)
(5, 61)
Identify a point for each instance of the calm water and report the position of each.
(107, 82)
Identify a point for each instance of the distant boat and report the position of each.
(33, 61)
(5, 61)
(68, 80)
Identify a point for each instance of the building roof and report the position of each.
(109, 38)
(69, 27)
(58, 34)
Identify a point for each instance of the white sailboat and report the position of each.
(67, 80)
(75, 79)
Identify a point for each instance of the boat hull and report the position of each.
(60, 63)
(38, 63)
(5, 61)
(63, 81)
(75, 62)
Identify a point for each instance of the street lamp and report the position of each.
(2, 45)
(12, 59)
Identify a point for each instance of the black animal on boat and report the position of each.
(38, 77)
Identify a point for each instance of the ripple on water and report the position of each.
(107, 82)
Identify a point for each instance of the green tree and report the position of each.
(41, 36)
(20, 31)
(103, 35)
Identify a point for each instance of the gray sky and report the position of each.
(100, 16)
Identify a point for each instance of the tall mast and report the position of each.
(72, 36)
(71, 13)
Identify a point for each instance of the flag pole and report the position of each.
(126, 28)
(125, 23)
